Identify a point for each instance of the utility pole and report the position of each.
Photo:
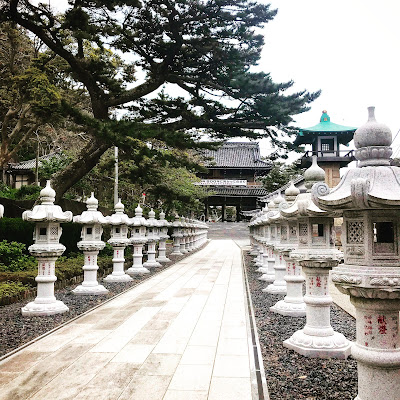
(116, 175)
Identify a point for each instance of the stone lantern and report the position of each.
(119, 222)
(177, 235)
(189, 243)
(152, 239)
(316, 254)
(281, 236)
(92, 222)
(184, 233)
(47, 218)
(369, 197)
(163, 233)
(138, 239)
(268, 259)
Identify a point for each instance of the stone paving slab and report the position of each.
(182, 334)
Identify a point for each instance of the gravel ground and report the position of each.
(291, 375)
(16, 330)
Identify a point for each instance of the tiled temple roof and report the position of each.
(238, 191)
(30, 164)
(236, 155)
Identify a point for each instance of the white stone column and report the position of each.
(90, 285)
(317, 338)
(279, 284)
(118, 274)
(151, 254)
(377, 348)
(293, 304)
(137, 267)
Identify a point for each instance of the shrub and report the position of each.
(10, 289)
(12, 257)
(16, 230)
(28, 192)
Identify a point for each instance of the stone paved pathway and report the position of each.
(183, 334)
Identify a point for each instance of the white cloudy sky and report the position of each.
(347, 48)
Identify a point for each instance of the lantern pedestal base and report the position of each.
(137, 271)
(332, 346)
(267, 277)
(90, 290)
(263, 270)
(275, 289)
(152, 264)
(289, 309)
(44, 309)
(117, 278)
(176, 253)
(163, 259)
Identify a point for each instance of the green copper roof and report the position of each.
(326, 126)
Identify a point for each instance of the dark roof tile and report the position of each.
(236, 155)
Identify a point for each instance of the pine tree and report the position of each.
(201, 51)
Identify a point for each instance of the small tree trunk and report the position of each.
(87, 159)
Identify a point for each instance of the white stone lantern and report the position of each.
(278, 286)
(119, 222)
(184, 233)
(268, 259)
(369, 198)
(92, 222)
(138, 239)
(152, 239)
(190, 234)
(1, 211)
(47, 218)
(163, 234)
(177, 235)
(316, 254)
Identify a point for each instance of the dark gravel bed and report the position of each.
(291, 375)
(16, 330)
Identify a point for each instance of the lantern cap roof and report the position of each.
(47, 194)
(47, 210)
(92, 203)
(279, 199)
(138, 211)
(119, 217)
(292, 191)
(313, 174)
(372, 142)
(375, 184)
(119, 207)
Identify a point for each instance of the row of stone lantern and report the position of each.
(46, 248)
(300, 234)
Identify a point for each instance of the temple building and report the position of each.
(232, 179)
(325, 139)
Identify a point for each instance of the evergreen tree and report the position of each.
(279, 175)
(201, 51)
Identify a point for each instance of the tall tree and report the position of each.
(202, 51)
(27, 95)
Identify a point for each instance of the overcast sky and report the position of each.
(347, 48)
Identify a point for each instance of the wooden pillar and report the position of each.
(224, 210)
